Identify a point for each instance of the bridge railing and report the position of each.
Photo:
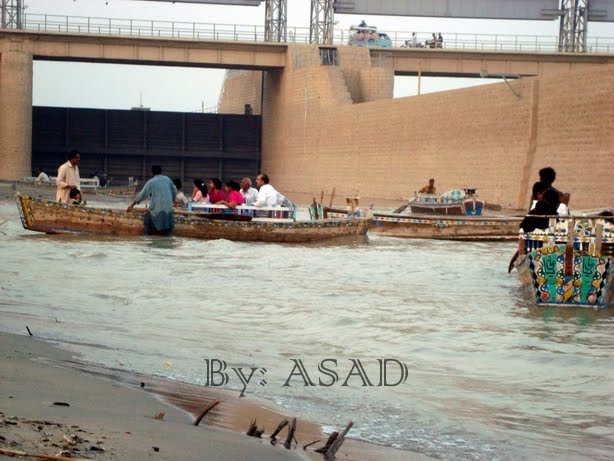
(255, 33)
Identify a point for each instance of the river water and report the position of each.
(488, 376)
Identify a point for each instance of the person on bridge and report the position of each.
(68, 177)
(161, 193)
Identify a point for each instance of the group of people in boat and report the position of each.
(165, 195)
(231, 194)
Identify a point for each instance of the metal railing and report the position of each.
(255, 33)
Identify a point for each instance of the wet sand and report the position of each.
(111, 414)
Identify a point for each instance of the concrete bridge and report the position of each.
(361, 69)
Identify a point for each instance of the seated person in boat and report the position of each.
(548, 175)
(233, 194)
(181, 201)
(250, 194)
(546, 205)
(75, 197)
(267, 195)
(216, 194)
(537, 193)
(430, 188)
(563, 209)
(199, 191)
(161, 193)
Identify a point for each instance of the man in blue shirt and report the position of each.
(161, 192)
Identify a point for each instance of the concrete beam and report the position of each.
(152, 51)
(406, 61)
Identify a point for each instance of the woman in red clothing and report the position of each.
(216, 194)
(233, 191)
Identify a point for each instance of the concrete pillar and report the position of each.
(15, 109)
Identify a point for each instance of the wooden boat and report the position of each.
(54, 218)
(445, 227)
(569, 264)
(455, 202)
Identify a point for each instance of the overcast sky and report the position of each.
(184, 89)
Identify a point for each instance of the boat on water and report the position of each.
(279, 225)
(480, 228)
(569, 264)
(456, 202)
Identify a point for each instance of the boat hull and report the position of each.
(455, 209)
(53, 218)
(561, 276)
(442, 227)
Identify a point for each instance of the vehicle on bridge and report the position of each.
(363, 35)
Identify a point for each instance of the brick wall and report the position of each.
(15, 110)
(241, 88)
(319, 135)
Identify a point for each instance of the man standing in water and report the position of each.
(68, 177)
(161, 192)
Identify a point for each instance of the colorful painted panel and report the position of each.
(567, 277)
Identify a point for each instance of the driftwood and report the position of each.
(21, 454)
(291, 431)
(253, 430)
(329, 442)
(207, 410)
(330, 453)
(310, 444)
(281, 425)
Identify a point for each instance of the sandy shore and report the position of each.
(111, 417)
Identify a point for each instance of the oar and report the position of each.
(402, 208)
(513, 260)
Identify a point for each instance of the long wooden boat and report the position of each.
(446, 227)
(43, 215)
(569, 264)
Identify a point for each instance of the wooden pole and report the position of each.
(419, 76)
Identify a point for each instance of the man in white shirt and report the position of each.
(267, 195)
(249, 193)
(68, 177)
(42, 178)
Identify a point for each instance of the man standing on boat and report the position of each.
(249, 193)
(68, 177)
(161, 193)
(430, 188)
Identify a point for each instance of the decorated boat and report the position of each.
(455, 202)
(277, 225)
(570, 263)
(445, 227)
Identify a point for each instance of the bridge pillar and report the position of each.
(15, 110)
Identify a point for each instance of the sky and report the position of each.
(191, 89)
